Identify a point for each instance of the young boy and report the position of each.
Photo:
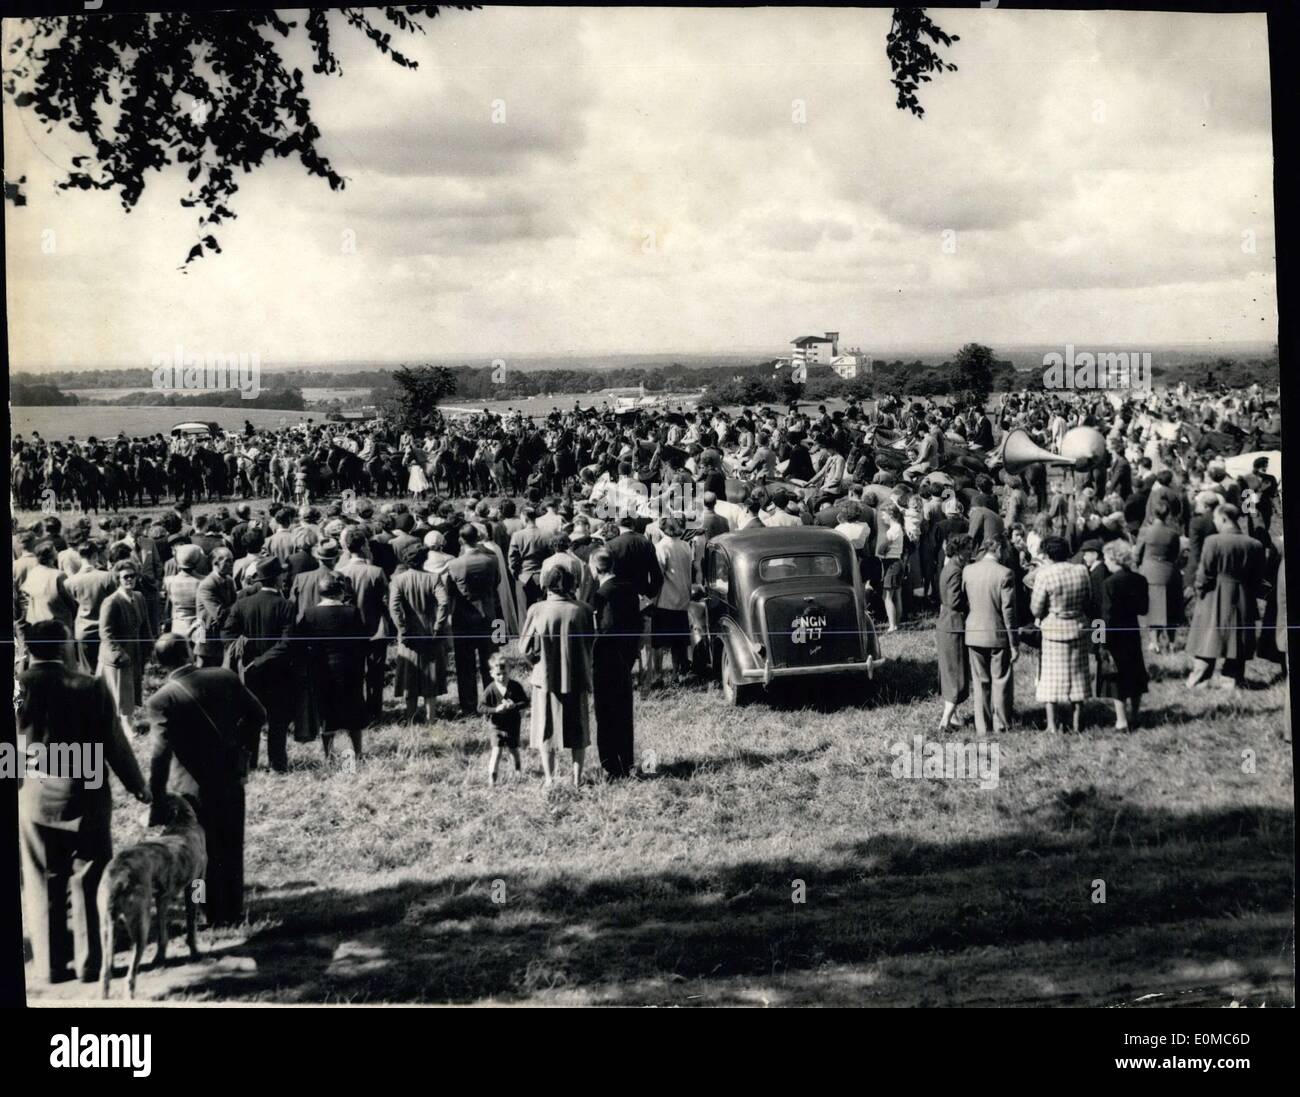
(502, 702)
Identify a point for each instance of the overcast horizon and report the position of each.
(650, 192)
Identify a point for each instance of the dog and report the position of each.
(150, 871)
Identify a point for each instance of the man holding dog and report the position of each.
(64, 818)
(201, 720)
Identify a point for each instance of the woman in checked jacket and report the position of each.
(1062, 604)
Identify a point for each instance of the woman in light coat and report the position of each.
(124, 640)
(557, 636)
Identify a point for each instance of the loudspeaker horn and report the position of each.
(1018, 451)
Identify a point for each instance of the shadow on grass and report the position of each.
(899, 681)
(687, 768)
(1199, 900)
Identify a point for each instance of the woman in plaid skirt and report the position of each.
(1061, 603)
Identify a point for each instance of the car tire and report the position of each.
(733, 693)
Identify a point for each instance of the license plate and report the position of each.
(807, 627)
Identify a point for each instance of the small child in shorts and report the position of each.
(502, 702)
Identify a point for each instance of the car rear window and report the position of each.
(798, 567)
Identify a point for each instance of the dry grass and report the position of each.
(409, 880)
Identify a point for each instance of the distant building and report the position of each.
(851, 366)
(845, 365)
(816, 349)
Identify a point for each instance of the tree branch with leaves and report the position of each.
(210, 91)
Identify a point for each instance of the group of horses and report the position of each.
(112, 480)
(135, 474)
(500, 461)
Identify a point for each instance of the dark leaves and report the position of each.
(67, 67)
(911, 58)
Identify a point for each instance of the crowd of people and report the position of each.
(568, 551)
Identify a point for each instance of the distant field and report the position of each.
(84, 421)
(59, 422)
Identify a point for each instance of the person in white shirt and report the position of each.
(736, 514)
(778, 511)
(670, 622)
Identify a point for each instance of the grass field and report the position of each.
(83, 421)
(407, 880)
(105, 422)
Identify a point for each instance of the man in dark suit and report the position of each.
(65, 811)
(215, 596)
(304, 591)
(529, 549)
(370, 589)
(300, 561)
(634, 559)
(200, 721)
(1119, 480)
(281, 543)
(262, 620)
(991, 638)
(985, 523)
(381, 545)
(618, 633)
(1090, 556)
(467, 600)
(1199, 528)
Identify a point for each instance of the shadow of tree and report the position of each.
(1180, 890)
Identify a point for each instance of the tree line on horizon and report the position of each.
(974, 369)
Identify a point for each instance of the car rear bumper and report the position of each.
(769, 674)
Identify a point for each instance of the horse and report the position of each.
(114, 484)
(446, 465)
(181, 477)
(148, 478)
(347, 468)
(383, 477)
(210, 473)
(83, 480)
(26, 481)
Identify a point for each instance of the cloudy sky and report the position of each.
(1100, 177)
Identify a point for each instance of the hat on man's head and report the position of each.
(189, 556)
(268, 568)
(326, 550)
(1091, 545)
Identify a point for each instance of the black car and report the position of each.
(785, 602)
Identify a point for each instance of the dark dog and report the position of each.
(150, 871)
